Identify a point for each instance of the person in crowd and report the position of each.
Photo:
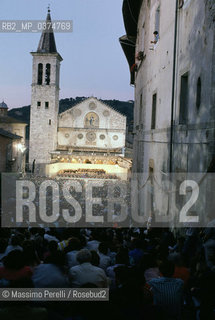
(85, 272)
(122, 259)
(52, 247)
(207, 294)
(93, 243)
(50, 236)
(105, 260)
(168, 291)
(191, 244)
(37, 235)
(73, 247)
(209, 245)
(181, 272)
(30, 254)
(15, 244)
(136, 252)
(150, 266)
(14, 267)
(95, 258)
(51, 274)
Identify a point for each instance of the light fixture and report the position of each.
(21, 147)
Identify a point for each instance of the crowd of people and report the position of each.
(151, 274)
(86, 173)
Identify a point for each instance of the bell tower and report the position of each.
(44, 97)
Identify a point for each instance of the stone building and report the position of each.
(90, 133)
(12, 142)
(170, 49)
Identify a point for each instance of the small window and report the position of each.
(138, 32)
(157, 21)
(140, 162)
(143, 35)
(48, 74)
(57, 75)
(181, 3)
(198, 93)
(38, 104)
(50, 122)
(46, 104)
(183, 113)
(141, 109)
(154, 106)
(40, 74)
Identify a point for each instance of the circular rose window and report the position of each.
(106, 113)
(102, 136)
(115, 137)
(91, 136)
(80, 136)
(92, 106)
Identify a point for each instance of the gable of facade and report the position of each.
(91, 125)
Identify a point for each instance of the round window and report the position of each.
(102, 136)
(106, 113)
(115, 137)
(92, 106)
(91, 136)
(80, 136)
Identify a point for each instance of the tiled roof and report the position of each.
(9, 135)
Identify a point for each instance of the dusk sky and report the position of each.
(94, 63)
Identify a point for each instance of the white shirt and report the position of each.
(87, 273)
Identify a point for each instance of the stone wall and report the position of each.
(193, 141)
(44, 120)
(192, 147)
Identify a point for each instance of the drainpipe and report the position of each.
(173, 89)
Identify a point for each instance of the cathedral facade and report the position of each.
(88, 129)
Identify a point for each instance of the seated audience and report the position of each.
(85, 272)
